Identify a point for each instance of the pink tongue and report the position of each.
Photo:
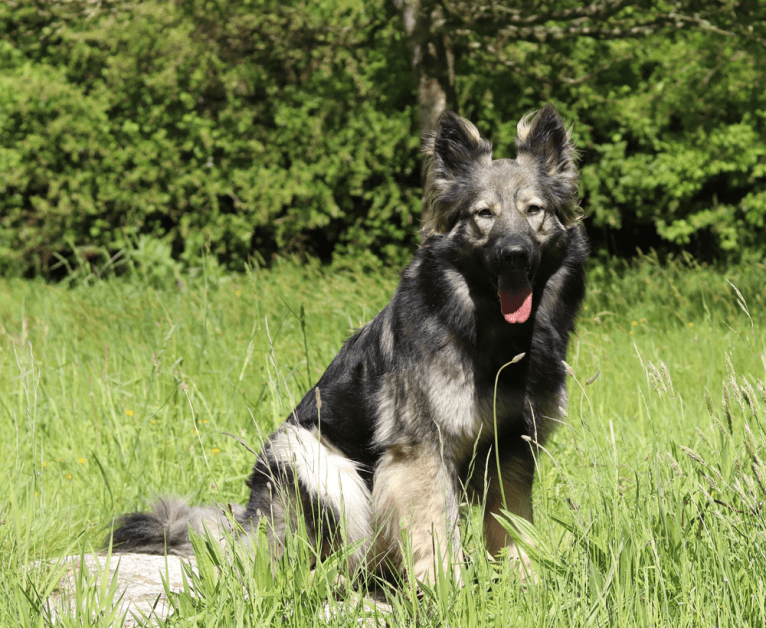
(515, 296)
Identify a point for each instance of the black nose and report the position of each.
(515, 255)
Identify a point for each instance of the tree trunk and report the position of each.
(432, 60)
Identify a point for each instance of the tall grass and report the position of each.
(648, 504)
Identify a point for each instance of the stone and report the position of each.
(140, 589)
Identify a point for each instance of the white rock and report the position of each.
(140, 590)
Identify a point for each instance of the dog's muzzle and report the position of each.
(514, 286)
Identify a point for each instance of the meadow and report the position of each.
(648, 505)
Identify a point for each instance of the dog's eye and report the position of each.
(534, 209)
(484, 212)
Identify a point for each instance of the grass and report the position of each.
(649, 499)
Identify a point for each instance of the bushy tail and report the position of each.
(165, 529)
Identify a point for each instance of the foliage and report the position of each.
(246, 126)
(254, 126)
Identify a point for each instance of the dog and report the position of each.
(449, 390)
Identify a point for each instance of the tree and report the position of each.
(439, 31)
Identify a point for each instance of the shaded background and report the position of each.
(154, 131)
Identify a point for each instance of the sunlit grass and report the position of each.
(648, 505)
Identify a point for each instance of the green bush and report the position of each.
(250, 127)
(153, 120)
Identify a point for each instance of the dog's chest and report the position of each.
(468, 410)
(445, 400)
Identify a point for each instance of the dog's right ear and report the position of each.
(453, 148)
(455, 144)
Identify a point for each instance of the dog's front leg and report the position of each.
(509, 488)
(415, 499)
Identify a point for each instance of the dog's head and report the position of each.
(507, 211)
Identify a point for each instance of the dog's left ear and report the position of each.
(545, 142)
(451, 151)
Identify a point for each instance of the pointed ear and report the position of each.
(544, 142)
(451, 151)
(454, 145)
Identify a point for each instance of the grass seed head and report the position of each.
(726, 405)
(733, 382)
(721, 427)
(708, 402)
(760, 476)
(655, 379)
(701, 434)
(749, 491)
(748, 394)
(693, 455)
(750, 444)
(667, 380)
(674, 464)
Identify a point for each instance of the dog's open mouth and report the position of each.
(515, 294)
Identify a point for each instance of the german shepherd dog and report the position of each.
(447, 391)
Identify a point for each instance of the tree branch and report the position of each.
(530, 14)
(598, 20)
